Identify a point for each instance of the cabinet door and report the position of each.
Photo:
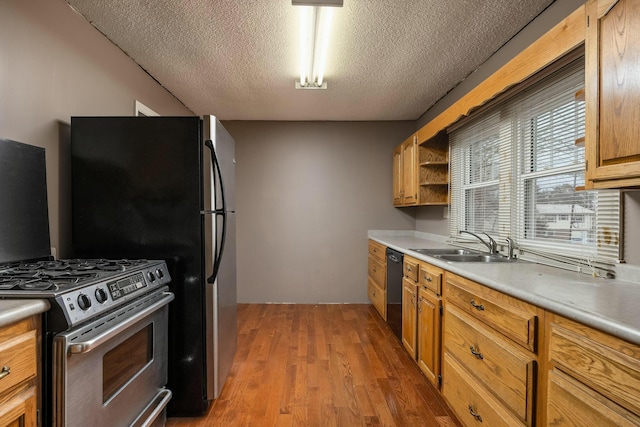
(20, 411)
(612, 93)
(378, 298)
(429, 335)
(377, 272)
(397, 175)
(409, 312)
(409, 175)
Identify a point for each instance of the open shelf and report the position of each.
(433, 173)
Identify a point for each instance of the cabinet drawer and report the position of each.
(377, 251)
(431, 278)
(377, 272)
(18, 358)
(411, 268)
(472, 403)
(503, 367)
(571, 404)
(515, 319)
(378, 298)
(606, 364)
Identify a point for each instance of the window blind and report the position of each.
(517, 170)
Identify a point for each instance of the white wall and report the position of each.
(307, 192)
(54, 65)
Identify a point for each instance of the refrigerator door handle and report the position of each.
(219, 212)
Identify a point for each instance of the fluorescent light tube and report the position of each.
(315, 25)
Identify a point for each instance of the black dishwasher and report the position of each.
(394, 291)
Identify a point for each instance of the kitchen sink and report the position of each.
(474, 258)
(443, 251)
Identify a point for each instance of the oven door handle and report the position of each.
(87, 346)
(164, 397)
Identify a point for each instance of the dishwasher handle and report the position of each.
(393, 258)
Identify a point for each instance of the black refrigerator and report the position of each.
(163, 188)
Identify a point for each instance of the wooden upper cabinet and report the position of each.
(612, 93)
(409, 168)
(397, 176)
(405, 172)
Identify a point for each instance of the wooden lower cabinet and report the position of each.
(469, 400)
(593, 379)
(504, 369)
(18, 373)
(377, 277)
(505, 362)
(429, 332)
(491, 337)
(20, 410)
(421, 313)
(378, 298)
(409, 315)
(572, 404)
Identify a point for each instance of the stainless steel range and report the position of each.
(105, 341)
(81, 289)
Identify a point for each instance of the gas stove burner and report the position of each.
(83, 264)
(10, 282)
(38, 285)
(53, 265)
(30, 266)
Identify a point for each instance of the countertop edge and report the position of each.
(591, 318)
(15, 310)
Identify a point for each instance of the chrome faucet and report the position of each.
(491, 244)
(510, 248)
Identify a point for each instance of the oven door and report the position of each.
(112, 372)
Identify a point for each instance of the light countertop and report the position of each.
(14, 310)
(610, 305)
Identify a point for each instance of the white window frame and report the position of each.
(511, 184)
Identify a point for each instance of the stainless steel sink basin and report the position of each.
(475, 258)
(443, 251)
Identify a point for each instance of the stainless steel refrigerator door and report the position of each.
(221, 300)
(224, 326)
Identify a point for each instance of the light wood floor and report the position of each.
(321, 365)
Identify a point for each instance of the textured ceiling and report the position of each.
(388, 59)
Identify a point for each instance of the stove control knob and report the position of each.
(84, 302)
(101, 295)
(160, 273)
(151, 276)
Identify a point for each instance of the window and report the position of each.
(518, 172)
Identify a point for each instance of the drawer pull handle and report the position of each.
(476, 353)
(474, 414)
(429, 279)
(408, 268)
(478, 307)
(6, 370)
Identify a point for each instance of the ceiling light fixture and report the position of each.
(315, 24)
